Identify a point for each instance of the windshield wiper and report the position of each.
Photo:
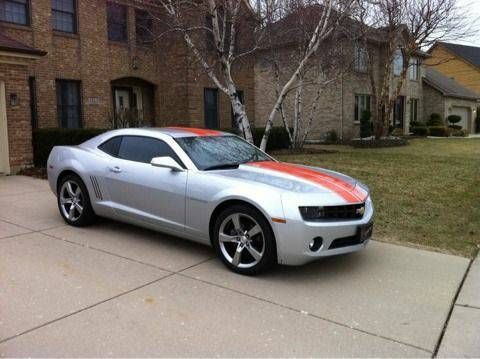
(224, 166)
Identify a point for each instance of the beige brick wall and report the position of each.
(434, 102)
(336, 110)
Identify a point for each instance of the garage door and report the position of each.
(464, 113)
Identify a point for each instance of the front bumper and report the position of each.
(339, 237)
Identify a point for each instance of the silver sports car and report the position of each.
(214, 188)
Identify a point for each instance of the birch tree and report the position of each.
(286, 41)
(210, 30)
(331, 12)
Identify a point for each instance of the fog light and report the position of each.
(315, 244)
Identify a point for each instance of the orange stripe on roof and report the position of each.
(348, 192)
(197, 131)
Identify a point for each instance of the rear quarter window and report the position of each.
(111, 146)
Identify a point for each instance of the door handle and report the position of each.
(115, 169)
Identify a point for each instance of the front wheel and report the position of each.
(74, 202)
(244, 240)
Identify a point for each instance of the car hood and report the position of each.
(299, 179)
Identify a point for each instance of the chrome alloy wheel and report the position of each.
(71, 200)
(241, 240)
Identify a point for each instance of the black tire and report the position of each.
(269, 257)
(87, 215)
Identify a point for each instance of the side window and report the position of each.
(117, 22)
(143, 149)
(111, 146)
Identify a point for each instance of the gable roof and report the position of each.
(469, 53)
(448, 86)
(10, 45)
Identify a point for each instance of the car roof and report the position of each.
(175, 132)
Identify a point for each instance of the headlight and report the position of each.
(312, 213)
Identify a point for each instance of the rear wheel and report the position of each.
(244, 240)
(74, 202)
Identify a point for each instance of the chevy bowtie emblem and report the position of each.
(361, 211)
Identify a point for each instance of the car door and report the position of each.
(142, 192)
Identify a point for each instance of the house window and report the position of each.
(413, 69)
(68, 104)
(210, 106)
(398, 62)
(64, 15)
(360, 58)
(117, 22)
(143, 27)
(413, 110)
(14, 11)
(362, 103)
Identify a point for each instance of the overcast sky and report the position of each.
(472, 8)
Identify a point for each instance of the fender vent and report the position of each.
(96, 188)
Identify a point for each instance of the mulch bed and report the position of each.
(302, 151)
(383, 142)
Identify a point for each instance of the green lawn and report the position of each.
(426, 194)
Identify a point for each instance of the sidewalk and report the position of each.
(462, 335)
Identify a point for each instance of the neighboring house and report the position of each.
(445, 96)
(460, 62)
(92, 63)
(343, 100)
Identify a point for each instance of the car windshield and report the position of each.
(220, 152)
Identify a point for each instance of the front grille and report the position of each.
(351, 211)
(346, 242)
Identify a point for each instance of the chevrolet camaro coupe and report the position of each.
(214, 188)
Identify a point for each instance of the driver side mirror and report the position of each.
(166, 162)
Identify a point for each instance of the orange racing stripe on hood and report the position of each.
(198, 131)
(350, 193)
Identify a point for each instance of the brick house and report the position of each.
(100, 68)
(460, 62)
(343, 100)
(456, 75)
(445, 96)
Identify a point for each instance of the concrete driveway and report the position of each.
(117, 290)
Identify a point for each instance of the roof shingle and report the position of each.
(469, 53)
(448, 86)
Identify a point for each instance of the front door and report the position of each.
(122, 99)
(4, 152)
(399, 112)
